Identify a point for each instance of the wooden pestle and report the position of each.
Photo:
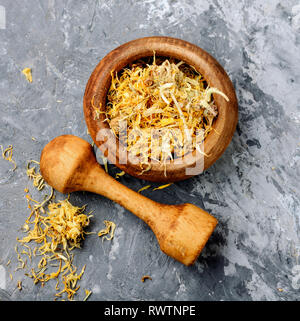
(68, 164)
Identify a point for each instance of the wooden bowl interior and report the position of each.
(215, 76)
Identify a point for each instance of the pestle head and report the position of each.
(185, 231)
(65, 162)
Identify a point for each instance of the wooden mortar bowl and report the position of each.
(217, 140)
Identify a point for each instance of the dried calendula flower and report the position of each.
(56, 231)
(23, 263)
(143, 188)
(120, 174)
(27, 73)
(35, 175)
(19, 285)
(110, 229)
(87, 294)
(168, 108)
(162, 186)
(96, 109)
(7, 154)
(56, 228)
(25, 227)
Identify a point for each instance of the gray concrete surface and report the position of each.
(253, 189)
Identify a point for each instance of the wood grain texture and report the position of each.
(68, 164)
(217, 140)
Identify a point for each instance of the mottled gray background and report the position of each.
(253, 189)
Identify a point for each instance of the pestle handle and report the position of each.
(99, 182)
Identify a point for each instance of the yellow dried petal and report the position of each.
(162, 186)
(120, 174)
(109, 229)
(143, 188)
(27, 73)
